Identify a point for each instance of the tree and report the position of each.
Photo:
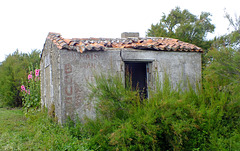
(12, 71)
(184, 26)
(223, 64)
(231, 40)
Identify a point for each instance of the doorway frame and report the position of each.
(149, 65)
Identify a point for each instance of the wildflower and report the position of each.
(23, 88)
(37, 72)
(29, 76)
(28, 92)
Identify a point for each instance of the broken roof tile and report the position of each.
(100, 44)
(67, 41)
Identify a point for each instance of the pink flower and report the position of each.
(23, 88)
(37, 72)
(28, 92)
(29, 76)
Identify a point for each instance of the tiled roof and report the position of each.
(100, 44)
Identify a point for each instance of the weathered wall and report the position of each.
(50, 79)
(65, 80)
(45, 74)
(180, 66)
(77, 70)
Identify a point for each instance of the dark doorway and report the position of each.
(137, 73)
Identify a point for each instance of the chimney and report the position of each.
(130, 35)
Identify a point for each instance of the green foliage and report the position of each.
(12, 71)
(168, 120)
(223, 65)
(118, 98)
(31, 91)
(37, 132)
(223, 68)
(221, 84)
(184, 26)
(231, 40)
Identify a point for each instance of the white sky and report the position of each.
(24, 24)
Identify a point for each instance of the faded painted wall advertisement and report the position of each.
(68, 88)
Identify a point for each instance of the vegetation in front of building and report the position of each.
(202, 119)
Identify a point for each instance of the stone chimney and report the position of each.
(130, 35)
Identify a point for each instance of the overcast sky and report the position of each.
(24, 24)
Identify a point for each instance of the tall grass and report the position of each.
(202, 119)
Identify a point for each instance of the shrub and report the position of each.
(31, 91)
(206, 119)
(113, 98)
(12, 71)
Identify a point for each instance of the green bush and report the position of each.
(113, 98)
(12, 71)
(206, 119)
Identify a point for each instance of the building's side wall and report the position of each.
(50, 79)
(77, 69)
(45, 74)
(56, 82)
(180, 66)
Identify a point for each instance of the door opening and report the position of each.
(137, 73)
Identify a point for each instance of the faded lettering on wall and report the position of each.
(68, 88)
(75, 88)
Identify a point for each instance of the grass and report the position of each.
(36, 132)
(12, 126)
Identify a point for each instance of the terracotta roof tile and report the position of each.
(100, 44)
(67, 41)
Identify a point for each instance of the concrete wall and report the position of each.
(180, 66)
(45, 64)
(65, 80)
(50, 79)
(77, 69)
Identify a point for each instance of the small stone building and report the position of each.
(67, 65)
